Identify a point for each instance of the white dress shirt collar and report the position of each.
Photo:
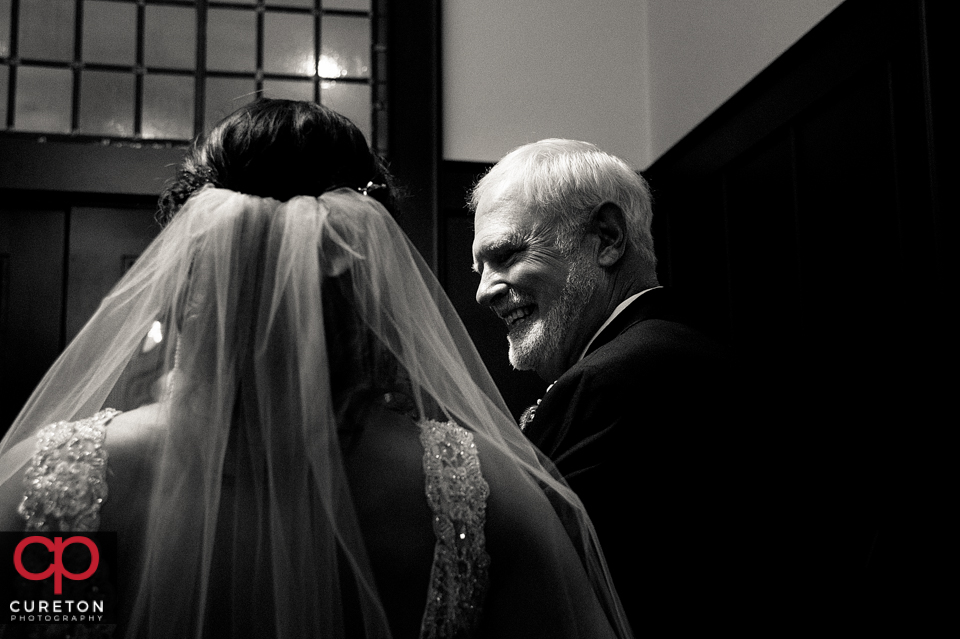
(619, 309)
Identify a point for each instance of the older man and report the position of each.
(637, 416)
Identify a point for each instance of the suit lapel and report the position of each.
(643, 308)
(547, 428)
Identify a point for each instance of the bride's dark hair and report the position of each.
(279, 149)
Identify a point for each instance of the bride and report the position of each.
(279, 413)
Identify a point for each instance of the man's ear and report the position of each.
(609, 224)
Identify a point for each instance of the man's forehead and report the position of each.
(510, 225)
(499, 225)
(491, 232)
(506, 195)
(505, 203)
(505, 216)
(496, 236)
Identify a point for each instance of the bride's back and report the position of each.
(386, 479)
(384, 467)
(537, 586)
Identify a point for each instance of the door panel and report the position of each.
(45, 301)
(104, 242)
(31, 299)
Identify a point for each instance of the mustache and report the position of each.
(509, 302)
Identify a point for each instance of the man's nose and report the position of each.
(491, 287)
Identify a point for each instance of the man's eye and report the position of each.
(510, 256)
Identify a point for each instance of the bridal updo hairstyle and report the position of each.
(281, 149)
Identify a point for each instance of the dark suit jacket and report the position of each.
(646, 431)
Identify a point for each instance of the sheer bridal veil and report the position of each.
(225, 325)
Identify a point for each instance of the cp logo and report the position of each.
(56, 568)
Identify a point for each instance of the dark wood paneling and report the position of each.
(103, 241)
(413, 77)
(35, 163)
(62, 253)
(701, 223)
(809, 211)
(846, 181)
(764, 278)
(941, 109)
(32, 239)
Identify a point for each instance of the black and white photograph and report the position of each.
(449, 319)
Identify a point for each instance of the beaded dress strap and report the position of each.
(65, 483)
(457, 494)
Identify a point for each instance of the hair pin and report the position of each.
(371, 187)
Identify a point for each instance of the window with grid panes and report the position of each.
(165, 70)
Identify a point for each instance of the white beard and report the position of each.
(534, 343)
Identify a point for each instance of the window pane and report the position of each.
(106, 103)
(4, 28)
(170, 37)
(357, 5)
(306, 4)
(168, 106)
(109, 32)
(231, 40)
(44, 97)
(226, 95)
(351, 100)
(46, 29)
(288, 45)
(289, 89)
(346, 47)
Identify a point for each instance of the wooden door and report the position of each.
(58, 258)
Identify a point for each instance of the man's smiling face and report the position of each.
(538, 290)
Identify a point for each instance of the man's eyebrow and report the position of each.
(501, 244)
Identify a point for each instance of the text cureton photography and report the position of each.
(56, 611)
(59, 577)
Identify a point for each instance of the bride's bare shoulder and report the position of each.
(148, 416)
(133, 443)
(384, 464)
(540, 587)
(136, 426)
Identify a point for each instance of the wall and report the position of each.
(702, 52)
(632, 76)
(516, 72)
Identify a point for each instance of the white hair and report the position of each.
(566, 180)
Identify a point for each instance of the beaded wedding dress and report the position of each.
(211, 413)
(66, 484)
